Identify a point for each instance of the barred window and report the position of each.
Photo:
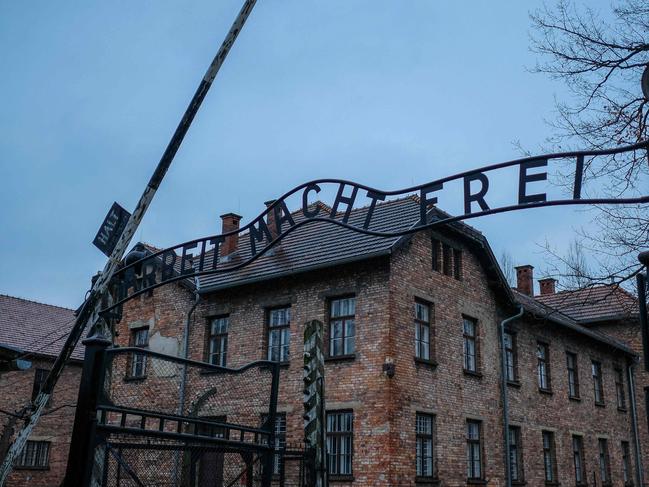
(447, 253)
(619, 389)
(39, 379)
(543, 365)
(549, 457)
(470, 345)
(598, 384)
(578, 459)
(342, 327)
(218, 341)
(436, 254)
(457, 264)
(604, 462)
(474, 449)
(140, 339)
(280, 441)
(279, 334)
(423, 337)
(425, 432)
(515, 454)
(35, 454)
(626, 463)
(340, 439)
(573, 375)
(510, 356)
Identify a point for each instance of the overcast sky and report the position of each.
(386, 93)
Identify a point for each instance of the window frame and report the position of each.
(573, 375)
(457, 263)
(466, 339)
(549, 454)
(40, 376)
(620, 393)
(577, 446)
(419, 458)
(418, 325)
(345, 354)
(136, 358)
(21, 462)
(513, 351)
(517, 446)
(222, 338)
(604, 462)
(270, 328)
(627, 472)
(543, 363)
(280, 441)
(598, 382)
(471, 444)
(436, 254)
(447, 259)
(340, 435)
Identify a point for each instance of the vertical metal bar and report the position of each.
(634, 419)
(268, 460)
(83, 442)
(89, 312)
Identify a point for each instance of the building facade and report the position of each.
(414, 391)
(36, 332)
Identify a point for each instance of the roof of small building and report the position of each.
(593, 304)
(36, 328)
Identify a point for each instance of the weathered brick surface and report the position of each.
(55, 425)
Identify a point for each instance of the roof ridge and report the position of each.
(35, 302)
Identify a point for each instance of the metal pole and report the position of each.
(503, 392)
(634, 419)
(641, 280)
(89, 311)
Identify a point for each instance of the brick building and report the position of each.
(413, 365)
(31, 336)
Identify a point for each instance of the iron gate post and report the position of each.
(269, 458)
(84, 434)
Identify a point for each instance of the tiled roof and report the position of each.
(598, 303)
(35, 328)
(543, 311)
(321, 244)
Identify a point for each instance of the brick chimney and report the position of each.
(270, 220)
(525, 279)
(230, 222)
(548, 286)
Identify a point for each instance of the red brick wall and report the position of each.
(55, 427)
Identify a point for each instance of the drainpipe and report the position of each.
(634, 423)
(503, 392)
(183, 376)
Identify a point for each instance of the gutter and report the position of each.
(634, 423)
(503, 392)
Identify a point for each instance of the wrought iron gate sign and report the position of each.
(200, 256)
(111, 229)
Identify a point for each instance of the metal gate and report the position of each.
(149, 419)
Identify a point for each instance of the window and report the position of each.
(39, 379)
(598, 385)
(626, 463)
(549, 457)
(279, 334)
(447, 256)
(340, 438)
(473, 449)
(604, 462)
(342, 327)
(543, 366)
(457, 264)
(619, 389)
(425, 431)
(422, 330)
(510, 357)
(280, 441)
(35, 454)
(470, 345)
(218, 341)
(515, 454)
(140, 339)
(573, 375)
(436, 254)
(578, 459)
